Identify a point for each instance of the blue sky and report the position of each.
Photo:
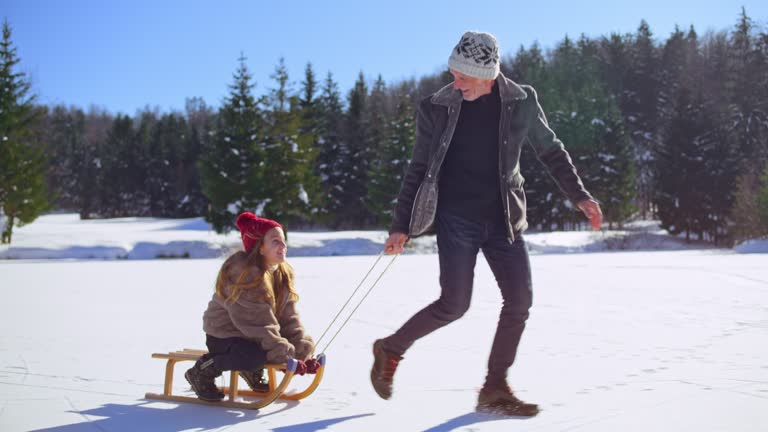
(124, 55)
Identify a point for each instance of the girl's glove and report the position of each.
(301, 367)
(312, 365)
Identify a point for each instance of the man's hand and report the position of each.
(592, 210)
(395, 242)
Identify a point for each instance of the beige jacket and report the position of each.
(253, 317)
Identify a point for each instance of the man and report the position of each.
(464, 184)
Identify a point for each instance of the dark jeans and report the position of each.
(458, 241)
(235, 354)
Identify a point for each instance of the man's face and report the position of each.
(471, 87)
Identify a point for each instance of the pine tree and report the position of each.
(762, 204)
(761, 67)
(588, 121)
(333, 153)
(615, 64)
(120, 168)
(526, 67)
(722, 165)
(309, 131)
(529, 67)
(98, 123)
(740, 69)
(696, 168)
(181, 164)
(715, 51)
(232, 166)
(672, 69)
(743, 122)
(148, 156)
(680, 169)
(719, 158)
(355, 166)
(432, 83)
(608, 165)
(66, 156)
(611, 174)
(165, 182)
(377, 115)
(748, 113)
(387, 175)
(641, 110)
(556, 87)
(746, 214)
(289, 156)
(72, 161)
(23, 194)
(200, 120)
(377, 118)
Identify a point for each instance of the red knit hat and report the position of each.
(252, 228)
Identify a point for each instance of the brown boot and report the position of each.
(202, 378)
(255, 380)
(502, 401)
(383, 370)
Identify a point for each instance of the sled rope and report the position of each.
(378, 258)
(381, 254)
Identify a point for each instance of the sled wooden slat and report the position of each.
(263, 398)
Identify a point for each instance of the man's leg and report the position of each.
(511, 267)
(458, 242)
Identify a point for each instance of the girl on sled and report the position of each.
(252, 318)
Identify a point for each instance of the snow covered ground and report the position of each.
(662, 337)
(64, 236)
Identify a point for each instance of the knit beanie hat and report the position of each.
(476, 55)
(252, 228)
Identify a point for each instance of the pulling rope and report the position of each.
(378, 258)
(358, 303)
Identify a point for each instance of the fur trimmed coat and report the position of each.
(256, 317)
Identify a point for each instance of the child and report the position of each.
(252, 319)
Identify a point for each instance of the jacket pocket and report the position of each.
(424, 209)
(516, 202)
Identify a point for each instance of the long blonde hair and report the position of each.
(278, 284)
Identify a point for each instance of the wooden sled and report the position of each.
(262, 398)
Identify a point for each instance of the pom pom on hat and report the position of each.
(252, 228)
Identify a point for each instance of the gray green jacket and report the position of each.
(522, 120)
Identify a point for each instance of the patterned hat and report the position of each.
(476, 55)
(252, 228)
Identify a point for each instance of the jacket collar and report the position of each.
(508, 91)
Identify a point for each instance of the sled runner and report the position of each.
(261, 399)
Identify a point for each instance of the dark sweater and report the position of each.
(469, 177)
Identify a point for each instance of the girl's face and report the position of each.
(274, 247)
